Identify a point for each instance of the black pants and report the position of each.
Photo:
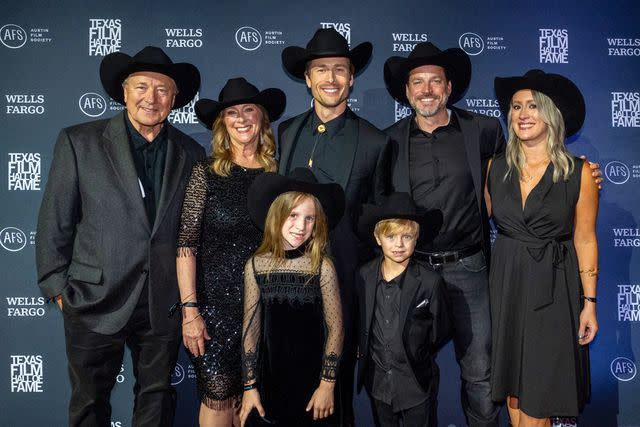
(423, 415)
(95, 360)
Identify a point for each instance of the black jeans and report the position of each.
(95, 361)
(467, 286)
(423, 415)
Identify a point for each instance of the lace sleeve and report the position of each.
(251, 325)
(192, 212)
(332, 308)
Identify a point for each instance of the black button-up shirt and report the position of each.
(149, 159)
(320, 151)
(441, 179)
(391, 379)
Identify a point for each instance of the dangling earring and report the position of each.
(261, 139)
(226, 143)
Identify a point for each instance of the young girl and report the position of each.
(292, 329)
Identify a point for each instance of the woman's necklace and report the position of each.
(526, 176)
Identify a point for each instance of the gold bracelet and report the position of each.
(195, 317)
(592, 272)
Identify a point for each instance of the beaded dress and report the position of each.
(293, 336)
(217, 230)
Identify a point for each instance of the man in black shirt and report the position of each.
(338, 146)
(440, 158)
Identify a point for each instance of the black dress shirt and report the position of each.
(441, 179)
(391, 380)
(317, 149)
(149, 159)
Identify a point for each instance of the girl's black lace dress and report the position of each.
(293, 336)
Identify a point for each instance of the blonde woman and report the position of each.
(216, 238)
(544, 263)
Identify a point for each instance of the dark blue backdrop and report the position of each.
(50, 53)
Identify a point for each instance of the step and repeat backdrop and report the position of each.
(50, 54)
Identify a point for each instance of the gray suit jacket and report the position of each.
(94, 243)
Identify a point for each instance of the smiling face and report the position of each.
(243, 123)
(428, 90)
(397, 238)
(526, 119)
(148, 97)
(330, 80)
(298, 226)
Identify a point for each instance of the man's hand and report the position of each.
(58, 299)
(596, 172)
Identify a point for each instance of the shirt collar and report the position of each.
(414, 130)
(332, 127)
(138, 141)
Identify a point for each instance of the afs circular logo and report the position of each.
(471, 43)
(617, 172)
(177, 375)
(623, 369)
(13, 36)
(13, 239)
(92, 104)
(248, 38)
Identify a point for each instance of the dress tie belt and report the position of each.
(548, 253)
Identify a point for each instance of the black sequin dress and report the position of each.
(293, 337)
(216, 228)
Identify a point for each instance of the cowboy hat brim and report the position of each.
(117, 66)
(455, 61)
(562, 91)
(272, 99)
(263, 192)
(295, 58)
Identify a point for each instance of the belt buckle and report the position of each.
(434, 264)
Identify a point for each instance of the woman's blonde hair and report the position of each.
(559, 156)
(222, 156)
(272, 242)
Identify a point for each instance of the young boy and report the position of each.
(403, 317)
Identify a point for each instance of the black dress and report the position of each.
(293, 336)
(536, 295)
(217, 229)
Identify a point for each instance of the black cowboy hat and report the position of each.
(455, 62)
(326, 42)
(562, 91)
(264, 190)
(398, 206)
(117, 66)
(239, 91)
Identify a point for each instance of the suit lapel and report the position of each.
(401, 178)
(290, 139)
(410, 286)
(471, 137)
(173, 172)
(348, 150)
(371, 282)
(118, 151)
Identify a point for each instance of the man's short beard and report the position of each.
(426, 113)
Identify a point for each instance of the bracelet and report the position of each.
(250, 386)
(592, 272)
(179, 304)
(190, 304)
(590, 299)
(194, 318)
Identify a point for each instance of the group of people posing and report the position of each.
(282, 265)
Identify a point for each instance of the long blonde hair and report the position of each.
(559, 156)
(222, 156)
(279, 211)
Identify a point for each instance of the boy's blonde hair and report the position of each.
(386, 227)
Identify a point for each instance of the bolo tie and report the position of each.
(321, 128)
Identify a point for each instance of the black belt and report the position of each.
(446, 257)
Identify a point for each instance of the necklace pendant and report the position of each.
(310, 163)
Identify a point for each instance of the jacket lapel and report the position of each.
(371, 277)
(471, 137)
(349, 144)
(401, 172)
(410, 286)
(118, 151)
(173, 172)
(289, 141)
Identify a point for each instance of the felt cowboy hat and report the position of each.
(326, 42)
(455, 62)
(562, 91)
(398, 206)
(117, 66)
(263, 192)
(239, 91)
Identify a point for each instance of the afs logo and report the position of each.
(617, 172)
(177, 375)
(13, 36)
(92, 104)
(623, 369)
(248, 38)
(13, 239)
(471, 43)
